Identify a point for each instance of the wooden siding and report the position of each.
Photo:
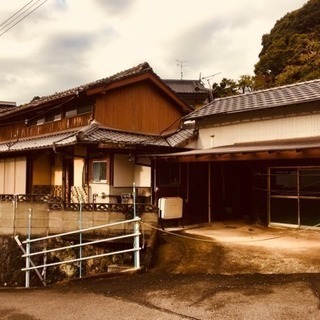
(137, 108)
(21, 130)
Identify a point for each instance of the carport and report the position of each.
(269, 183)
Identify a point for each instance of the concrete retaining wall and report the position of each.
(14, 219)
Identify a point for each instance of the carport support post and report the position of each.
(136, 231)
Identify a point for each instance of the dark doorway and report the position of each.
(197, 200)
(237, 191)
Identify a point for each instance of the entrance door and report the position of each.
(68, 165)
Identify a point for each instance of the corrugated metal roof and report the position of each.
(252, 147)
(269, 98)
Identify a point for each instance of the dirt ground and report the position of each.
(239, 248)
(226, 271)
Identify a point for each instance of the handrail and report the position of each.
(81, 230)
(31, 266)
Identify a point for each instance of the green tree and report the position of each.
(290, 52)
(226, 87)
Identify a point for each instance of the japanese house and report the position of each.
(83, 144)
(257, 157)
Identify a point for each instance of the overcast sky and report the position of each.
(67, 43)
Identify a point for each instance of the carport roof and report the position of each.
(273, 146)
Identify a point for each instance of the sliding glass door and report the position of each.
(294, 196)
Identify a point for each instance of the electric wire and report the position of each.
(213, 241)
(7, 25)
(5, 22)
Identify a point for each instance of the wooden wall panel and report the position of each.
(21, 130)
(137, 108)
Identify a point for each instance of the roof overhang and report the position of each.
(265, 150)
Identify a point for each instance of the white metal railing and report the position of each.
(30, 265)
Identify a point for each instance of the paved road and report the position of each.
(169, 296)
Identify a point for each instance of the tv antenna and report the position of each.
(210, 89)
(208, 78)
(181, 63)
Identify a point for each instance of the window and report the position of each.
(99, 171)
(53, 117)
(84, 109)
(40, 121)
(294, 196)
(71, 113)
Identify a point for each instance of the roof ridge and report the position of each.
(296, 84)
(138, 69)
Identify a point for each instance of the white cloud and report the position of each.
(66, 43)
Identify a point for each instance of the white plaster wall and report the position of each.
(78, 171)
(142, 176)
(123, 171)
(13, 175)
(259, 130)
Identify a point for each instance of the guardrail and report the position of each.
(30, 265)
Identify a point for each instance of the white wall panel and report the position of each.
(20, 176)
(13, 175)
(259, 130)
(2, 180)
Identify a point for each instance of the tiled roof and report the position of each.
(181, 136)
(35, 143)
(108, 135)
(94, 133)
(264, 99)
(6, 106)
(137, 70)
(185, 86)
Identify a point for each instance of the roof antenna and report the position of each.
(208, 78)
(180, 64)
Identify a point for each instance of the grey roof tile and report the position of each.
(181, 137)
(264, 99)
(137, 70)
(185, 86)
(40, 142)
(94, 133)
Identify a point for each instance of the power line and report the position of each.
(20, 15)
(3, 23)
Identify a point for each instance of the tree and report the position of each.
(290, 52)
(226, 87)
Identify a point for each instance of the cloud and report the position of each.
(66, 43)
(115, 6)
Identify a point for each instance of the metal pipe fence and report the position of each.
(30, 265)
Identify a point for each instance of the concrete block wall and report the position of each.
(14, 219)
